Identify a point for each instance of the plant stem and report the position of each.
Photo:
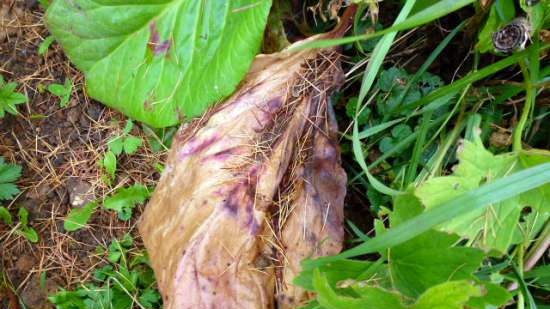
(529, 103)
(538, 249)
(521, 300)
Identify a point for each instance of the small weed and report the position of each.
(125, 142)
(63, 92)
(9, 98)
(108, 163)
(22, 228)
(79, 217)
(9, 174)
(123, 202)
(125, 199)
(127, 281)
(45, 45)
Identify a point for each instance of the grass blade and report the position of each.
(477, 199)
(440, 9)
(471, 78)
(376, 61)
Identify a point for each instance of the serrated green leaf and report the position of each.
(428, 259)
(480, 198)
(489, 229)
(8, 191)
(116, 145)
(160, 60)
(5, 215)
(149, 298)
(9, 98)
(9, 172)
(131, 144)
(78, 217)
(448, 295)
(125, 199)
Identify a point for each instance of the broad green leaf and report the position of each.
(158, 61)
(78, 217)
(449, 295)
(56, 89)
(5, 216)
(428, 259)
(494, 296)
(373, 297)
(131, 144)
(495, 227)
(125, 199)
(480, 198)
(116, 145)
(117, 248)
(538, 198)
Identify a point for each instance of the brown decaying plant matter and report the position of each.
(252, 189)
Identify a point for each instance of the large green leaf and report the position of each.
(492, 228)
(428, 259)
(160, 60)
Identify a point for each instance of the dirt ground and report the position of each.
(58, 149)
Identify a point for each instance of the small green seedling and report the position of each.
(126, 282)
(63, 92)
(9, 98)
(79, 217)
(108, 163)
(45, 45)
(125, 142)
(125, 199)
(9, 174)
(123, 202)
(22, 228)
